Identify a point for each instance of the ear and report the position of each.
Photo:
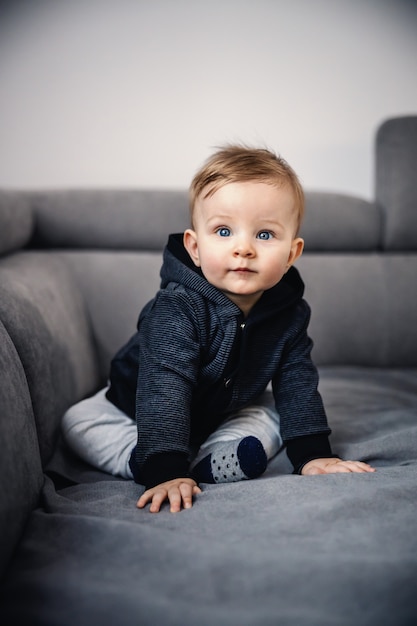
(297, 247)
(191, 245)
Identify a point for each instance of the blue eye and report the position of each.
(223, 232)
(265, 235)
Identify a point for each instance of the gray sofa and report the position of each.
(75, 269)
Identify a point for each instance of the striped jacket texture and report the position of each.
(194, 359)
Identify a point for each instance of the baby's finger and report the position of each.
(346, 467)
(174, 496)
(343, 467)
(314, 470)
(187, 492)
(359, 467)
(157, 500)
(144, 499)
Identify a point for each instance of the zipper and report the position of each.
(235, 355)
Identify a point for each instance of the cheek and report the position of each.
(212, 261)
(278, 253)
(276, 266)
(276, 272)
(211, 264)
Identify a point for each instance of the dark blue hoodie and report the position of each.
(194, 359)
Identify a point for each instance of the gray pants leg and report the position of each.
(104, 436)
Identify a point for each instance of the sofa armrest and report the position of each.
(20, 464)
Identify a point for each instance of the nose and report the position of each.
(244, 248)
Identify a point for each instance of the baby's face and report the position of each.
(244, 239)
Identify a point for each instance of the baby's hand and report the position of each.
(178, 491)
(334, 466)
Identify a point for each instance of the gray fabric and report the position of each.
(359, 296)
(364, 308)
(115, 288)
(143, 219)
(337, 222)
(301, 551)
(20, 465)
(16, 220)
(41, 308)
(396, 181)
(115, 219)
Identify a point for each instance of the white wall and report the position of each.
(137, 92)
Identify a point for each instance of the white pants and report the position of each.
(104, 436)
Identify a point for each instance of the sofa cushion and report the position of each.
(360, 312)
(43, 312)
(143, 219)
(20, 465)
(340, 223)
(16, 220)
(115, 287)
(114, 219)
(282, 549)
(396, 181)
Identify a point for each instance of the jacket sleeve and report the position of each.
(168, 369)
(303, 420)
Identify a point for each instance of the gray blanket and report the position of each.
(280, 550)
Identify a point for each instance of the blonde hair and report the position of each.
(237, 164)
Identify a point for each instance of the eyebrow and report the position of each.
(219, 217)
(225, 217)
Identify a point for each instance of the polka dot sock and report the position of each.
(232, 461)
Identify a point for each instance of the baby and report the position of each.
(185, 401)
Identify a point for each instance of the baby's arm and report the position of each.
(179, 491)
(335, 466)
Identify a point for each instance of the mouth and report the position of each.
(243, 270)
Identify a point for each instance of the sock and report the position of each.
(232, 461)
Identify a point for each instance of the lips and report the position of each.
(243, 270)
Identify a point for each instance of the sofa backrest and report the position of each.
(396, 182)
(112, 242)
